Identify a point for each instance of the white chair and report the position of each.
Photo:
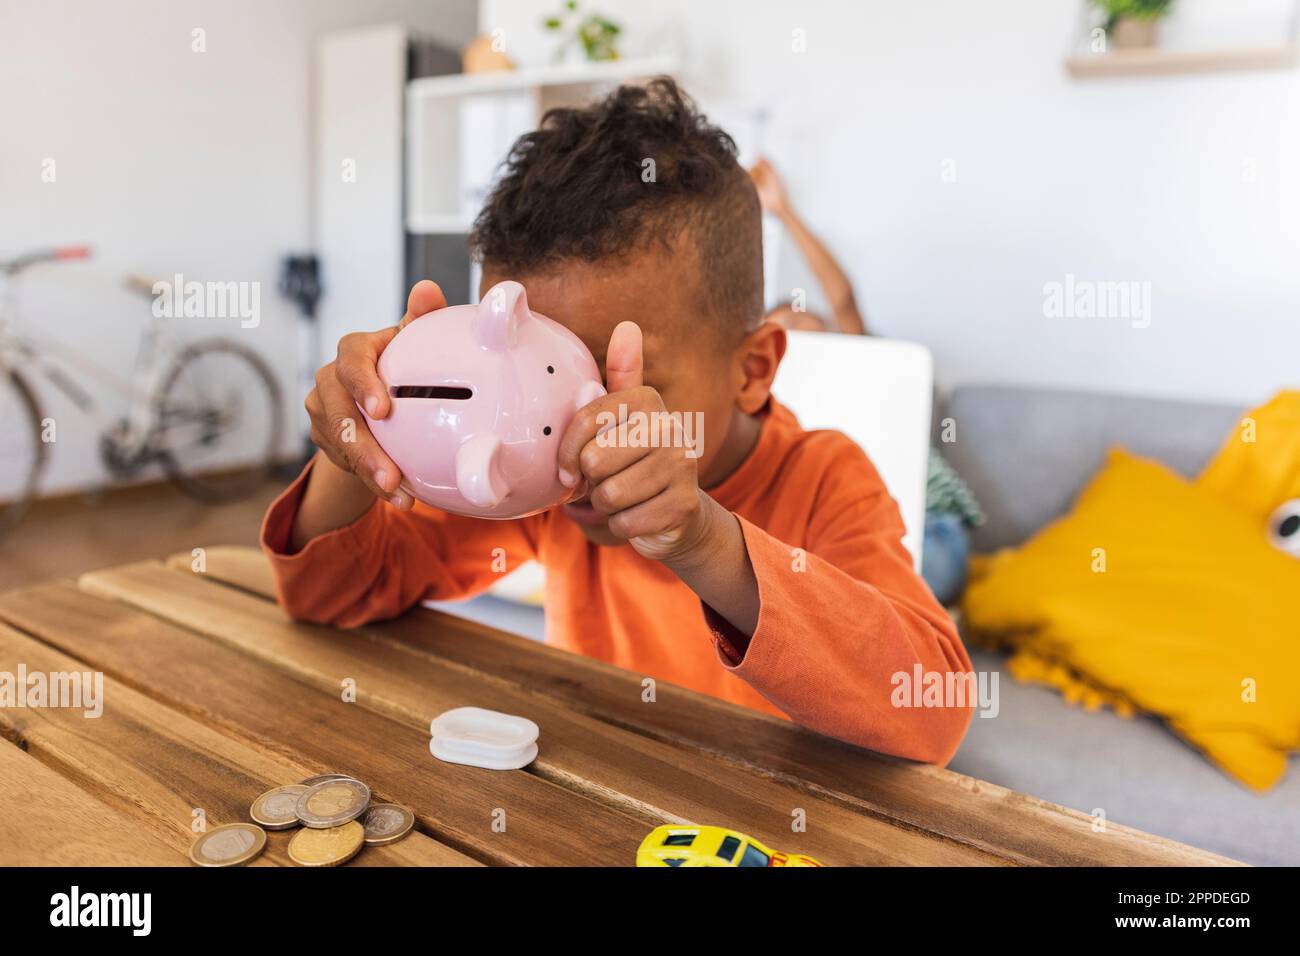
(876, 391)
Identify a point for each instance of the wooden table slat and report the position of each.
(238, 695)
(46, 820)
(645, 777)
(153, 763)
(981, 814)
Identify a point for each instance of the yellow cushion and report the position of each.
(1258, 466)
(1157, 594)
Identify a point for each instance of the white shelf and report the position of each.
(439, 225)
(505, 81)
(1157, 62)
(1251, 44)
(460, 127)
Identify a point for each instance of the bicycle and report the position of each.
(209, 413)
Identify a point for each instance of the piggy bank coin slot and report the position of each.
(455, 393)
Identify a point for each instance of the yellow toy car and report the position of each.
(710, 846)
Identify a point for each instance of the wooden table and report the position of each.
(212, 695)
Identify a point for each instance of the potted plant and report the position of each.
(1131, 24)
(593, 35)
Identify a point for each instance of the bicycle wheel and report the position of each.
(219, 420)
(22, 453)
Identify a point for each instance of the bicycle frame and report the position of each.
(52, 360)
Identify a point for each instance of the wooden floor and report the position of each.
(64, 537)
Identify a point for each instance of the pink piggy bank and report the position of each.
(481, 395)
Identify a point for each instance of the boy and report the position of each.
(765, 567)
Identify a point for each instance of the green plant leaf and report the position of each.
(1136, 9)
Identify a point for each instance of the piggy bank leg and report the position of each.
(478, 471)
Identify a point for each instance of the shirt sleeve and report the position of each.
(388, 560)
(850, 642)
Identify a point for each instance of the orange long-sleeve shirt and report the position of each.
(841, 610)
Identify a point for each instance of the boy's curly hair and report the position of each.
(640, 167)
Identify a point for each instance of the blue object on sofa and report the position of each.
(945, 555)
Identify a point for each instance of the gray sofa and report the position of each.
(1027, 453)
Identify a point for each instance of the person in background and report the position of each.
(845, 315)
(951, 508)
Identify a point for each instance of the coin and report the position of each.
(332, 803)
(231, 845)
(325, 777)
(327, 847)
(386, 823)
(277, 809)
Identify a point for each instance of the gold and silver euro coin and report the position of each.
(327, 847)
(332, 803)
(324, 777)
(231, 845)
(277, 809)
(386, 823)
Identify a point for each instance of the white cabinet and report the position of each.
(358, 109)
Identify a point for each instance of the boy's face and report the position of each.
(685, 359)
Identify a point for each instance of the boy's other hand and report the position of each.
(651, 495)
(351, 380)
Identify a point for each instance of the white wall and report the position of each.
(167, 161)
(1131, 179)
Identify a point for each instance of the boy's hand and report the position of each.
(651, 494)
(351, 380)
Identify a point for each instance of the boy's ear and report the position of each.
(759, 357)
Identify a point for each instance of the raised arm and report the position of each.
(835, 284)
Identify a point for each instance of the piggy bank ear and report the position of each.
(478, 471)
(499, 315)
